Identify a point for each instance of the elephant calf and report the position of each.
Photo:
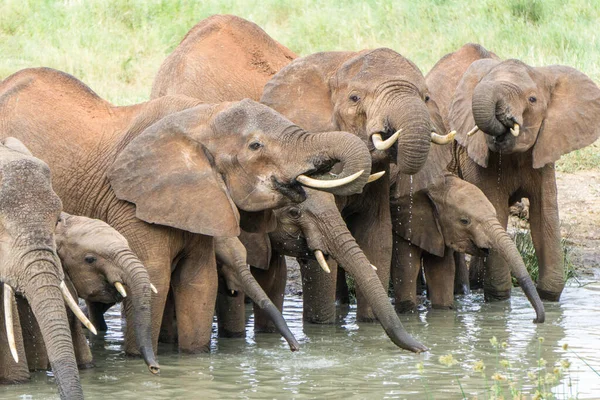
(449, 215)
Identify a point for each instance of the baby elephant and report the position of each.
(105, 270)
(449, 215)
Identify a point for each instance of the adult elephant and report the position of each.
(528, 117)
(381, 97)
(438, 218)
(222, 58)
(115, 164)
(31, 268)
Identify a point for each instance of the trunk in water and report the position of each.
(140, 298)
(231, 252)
(507, 249)
(350, 257)
(346, 148)
(487, 99)
(46, 301)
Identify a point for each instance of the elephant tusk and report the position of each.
(120, 289)
(375, 176)
(75, 308)
(443, 139)
(329, 183)
(515, 130)
(153, 288)
(473, 131)
(8, 320)
(321, 259)
(374, 267)
(381, 144)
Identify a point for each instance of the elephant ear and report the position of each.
(169, 176)
(258, 221)
(416, 220)
(572, 118)
(301, 91)
(258, 249)
(460, 114)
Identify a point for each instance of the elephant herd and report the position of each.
(247, 153)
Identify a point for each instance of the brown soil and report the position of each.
(579, 210)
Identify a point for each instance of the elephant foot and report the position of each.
(195, 350)
(442, 307)
(224, 333)
(549, 296)
(405, 306)
(496, 295)
(86, 365)
(462, 289)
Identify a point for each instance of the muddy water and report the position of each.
(354, 361)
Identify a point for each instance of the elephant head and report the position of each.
(315, 229)
(378, 95)
(30, 266)
(103, 269)
(240, 154)
(453, 213)
(548, 110)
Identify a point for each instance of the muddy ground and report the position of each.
(579, 210)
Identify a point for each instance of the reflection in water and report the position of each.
(353, 360)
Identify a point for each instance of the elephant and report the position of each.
(381, 97)
(30, 209)
(440, 217)
(222, 58)
(133, 167)
(528, 117)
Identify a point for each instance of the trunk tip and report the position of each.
(154, 369)
(294, 345)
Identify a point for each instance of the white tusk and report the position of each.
(327, 183)
(8, 320)
(374, 267)
(321, 260)
(153, 288)
(75, 308)
(381, 144)
(375, 176)
(120, 289)
(473, 131)
(232, 292)
(443, 139)
(515, 130)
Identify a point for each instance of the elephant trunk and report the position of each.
(505, 246)
(138, 282)
(231, 252)
(415, 140)
(349, 150)
(348, 254)
(489, 104)
(45, 298)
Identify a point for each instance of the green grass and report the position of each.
(116, 46)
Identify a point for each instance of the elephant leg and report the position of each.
(497, 281)
(439, 273)
(83, 353)
(318, 291)
(545, 233)
(273, 282)
(35, 349)
(476, 272)
(342, 294)
(406, 265)
(230, 311)
(168, 327)
(96, 314)
(195, 282)
(373, 233)
(10, 371)
(461, 274)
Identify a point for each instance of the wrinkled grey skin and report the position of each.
(30, 265)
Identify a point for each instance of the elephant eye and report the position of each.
(354, 98)
(465, 220)
(89, 259)
(255, 146)
(532, 99)
(295, 213)
(427, 98)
